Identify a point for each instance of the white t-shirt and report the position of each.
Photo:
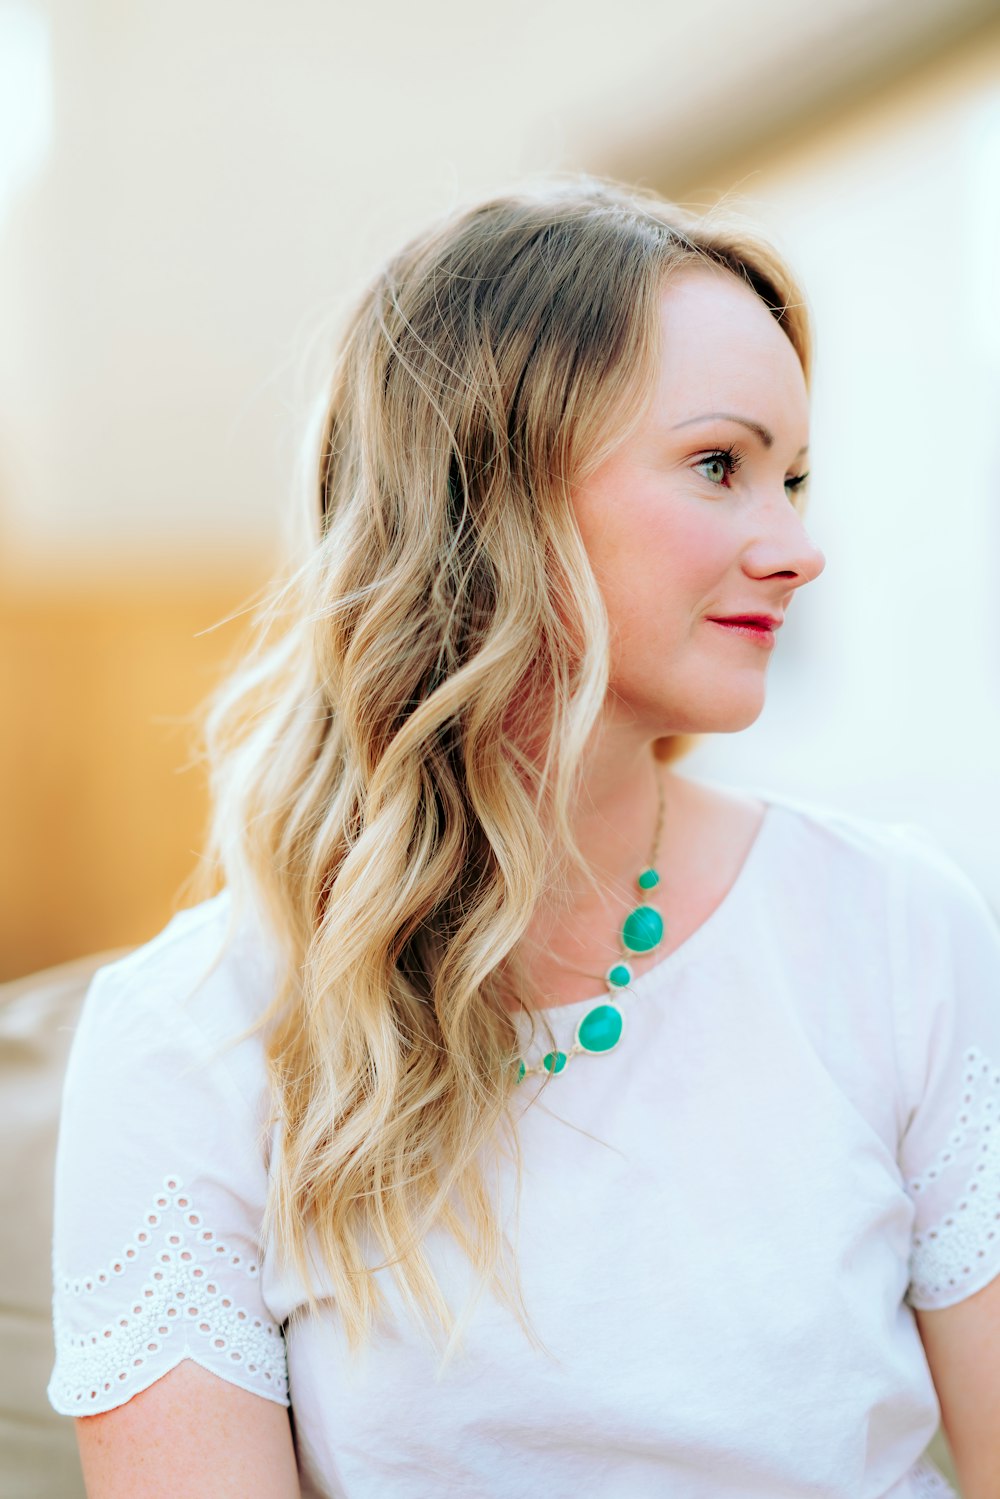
(724, 1224)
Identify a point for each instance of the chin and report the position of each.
(703, 707)
(722, 716)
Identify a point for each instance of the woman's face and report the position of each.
(680, 533)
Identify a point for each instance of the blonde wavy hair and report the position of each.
(394, 761)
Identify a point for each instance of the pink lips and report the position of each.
(773, 621)
(759, 630)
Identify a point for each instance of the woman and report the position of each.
(522, 1116)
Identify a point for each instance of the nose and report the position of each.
(783, 548)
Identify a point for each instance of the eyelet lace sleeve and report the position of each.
(173, 1291)
(947, 942)
(159, 1195)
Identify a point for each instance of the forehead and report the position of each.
(719, 343)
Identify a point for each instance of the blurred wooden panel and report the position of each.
(102, 804)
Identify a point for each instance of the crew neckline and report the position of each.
(692, 945)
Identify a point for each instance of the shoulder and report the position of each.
(854, 853)
(819, 828)
(188, 995)
(839, 833)
(210, 947)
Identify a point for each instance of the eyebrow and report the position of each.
(766, 437)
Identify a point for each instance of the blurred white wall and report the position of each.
(220, 175)
(886, 694)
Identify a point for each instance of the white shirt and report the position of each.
(724, 1226)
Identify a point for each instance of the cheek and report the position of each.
(665, 557)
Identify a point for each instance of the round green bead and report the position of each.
(643, 929)
(619, 976)
(554, 1061)
(600, 1029)
(649, 879)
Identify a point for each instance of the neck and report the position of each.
(573, 936)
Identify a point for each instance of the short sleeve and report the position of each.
(160, 1184)
(947, 966)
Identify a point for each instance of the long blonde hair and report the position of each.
(371, 791)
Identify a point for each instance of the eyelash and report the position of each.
(733, 458)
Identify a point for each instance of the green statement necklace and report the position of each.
(602, 1027)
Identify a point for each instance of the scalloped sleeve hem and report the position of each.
(97, 1396)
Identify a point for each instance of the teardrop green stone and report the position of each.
(649, 879)
(643, 929)
(600, 1029)
(554, 1061)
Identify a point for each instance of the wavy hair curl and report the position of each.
(393, 763)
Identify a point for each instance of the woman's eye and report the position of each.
(716, 463)
(725, 462)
